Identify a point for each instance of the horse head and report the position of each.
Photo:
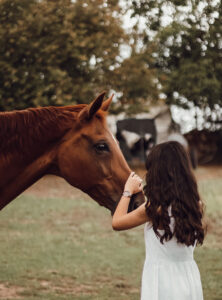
(90, 158)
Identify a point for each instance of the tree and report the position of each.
(189, 55)
(61, 52)
(56, 52)
(136, 78)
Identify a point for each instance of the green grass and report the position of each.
(209, 256)
(62, 249)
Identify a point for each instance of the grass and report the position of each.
(63, 249)
(209, 256)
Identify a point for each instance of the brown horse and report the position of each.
(72, 142)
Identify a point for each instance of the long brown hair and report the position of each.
(170, 183)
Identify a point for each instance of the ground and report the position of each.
(57, 244)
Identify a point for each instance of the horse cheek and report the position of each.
(66, 164)
(72, 165)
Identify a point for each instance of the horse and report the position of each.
(72, 142)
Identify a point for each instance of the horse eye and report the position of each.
(102, 147)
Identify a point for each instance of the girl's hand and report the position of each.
(133, 184)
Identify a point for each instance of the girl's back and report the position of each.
(170, 272)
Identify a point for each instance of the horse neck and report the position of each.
(28, 146)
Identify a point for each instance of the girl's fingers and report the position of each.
(139, 179)
(132, 174)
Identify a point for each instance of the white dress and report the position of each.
(170, 272)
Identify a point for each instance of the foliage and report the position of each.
(189, 55)
(47, 49)
(136, 78)
(60, 52)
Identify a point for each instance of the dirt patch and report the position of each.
(68, 287)
(209, 172)
(53, 187)
(8, 292)
(201, 173)
(81, 289)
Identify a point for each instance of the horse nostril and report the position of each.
(135, 201)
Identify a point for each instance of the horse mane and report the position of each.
(24, 130)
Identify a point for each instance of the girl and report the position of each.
(173, 216)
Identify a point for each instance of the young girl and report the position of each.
(173, 216)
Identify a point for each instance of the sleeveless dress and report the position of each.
(169, 272)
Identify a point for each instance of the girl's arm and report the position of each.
(123, 220)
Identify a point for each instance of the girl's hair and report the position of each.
(170, 183)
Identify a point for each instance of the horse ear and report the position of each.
(90, 110)
(95, 105)
(106, 104)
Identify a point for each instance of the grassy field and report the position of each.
(57, 246)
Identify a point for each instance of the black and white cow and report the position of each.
(136, 137)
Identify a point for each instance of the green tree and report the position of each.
(56, 52)
(188, 35)
(136, 78)
(60, 52)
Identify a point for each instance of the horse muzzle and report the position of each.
(135, 201)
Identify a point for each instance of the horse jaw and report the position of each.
(110, 199)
